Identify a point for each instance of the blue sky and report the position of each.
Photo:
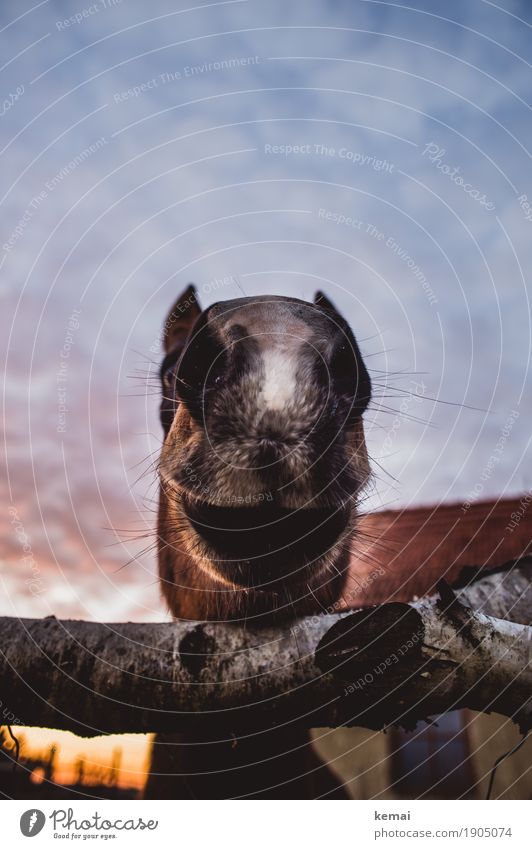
(378, 151)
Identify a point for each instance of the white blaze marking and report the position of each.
(279, 384)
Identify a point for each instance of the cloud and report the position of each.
(182, 188)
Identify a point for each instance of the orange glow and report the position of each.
(97, 753)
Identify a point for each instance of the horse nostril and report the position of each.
(268, 451)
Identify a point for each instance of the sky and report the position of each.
(375, 150)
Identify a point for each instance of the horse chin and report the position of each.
(284, 580)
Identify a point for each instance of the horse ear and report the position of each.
(347, 366)
(323, 301)
(181, 318)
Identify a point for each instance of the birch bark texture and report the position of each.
(394, 664)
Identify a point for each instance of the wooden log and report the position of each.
(392, 664)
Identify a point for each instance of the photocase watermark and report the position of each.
(186, 72)
(9, 101)
(65, 824)
(7, 717)
(218, 283)
(61, 377)
(24, 220)
(525, 207)
(493, 461)
(341, 219)
(316, 149)
(87, 12)
(517, 515)
(410, 263)
(343, 602)
(253, 498)
(49, 186)
(33, 581)
(32, 822)
(64, 819)
(435, 155)
(380, 668)
(74, 163)
(416, 395)
(180, 309)
(200, 488)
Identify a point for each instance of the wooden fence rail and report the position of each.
(393, 664)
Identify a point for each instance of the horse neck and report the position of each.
(278, 762)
